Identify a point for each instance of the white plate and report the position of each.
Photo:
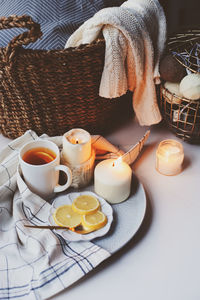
(73, 236)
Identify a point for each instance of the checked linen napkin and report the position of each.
(34, 264)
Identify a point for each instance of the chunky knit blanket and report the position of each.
(135, 35)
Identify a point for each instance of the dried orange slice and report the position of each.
(65, 216)
(85, 204)
(94, 221)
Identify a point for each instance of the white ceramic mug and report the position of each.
(42, 179)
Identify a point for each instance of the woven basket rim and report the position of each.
(41, 52)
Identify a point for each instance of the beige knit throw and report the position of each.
(135, 35)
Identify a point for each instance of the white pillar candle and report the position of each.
(112, 180)
(76, 146)
(169, 157)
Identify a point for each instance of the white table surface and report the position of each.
(162, 261)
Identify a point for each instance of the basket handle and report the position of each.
(22, 39)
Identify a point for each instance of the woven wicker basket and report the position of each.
(182, 115)
(54, 91)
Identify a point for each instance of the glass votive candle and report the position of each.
(169, 157)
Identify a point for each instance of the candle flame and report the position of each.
(72, 229)
(73, 141)
(167, 153)
(117, 161)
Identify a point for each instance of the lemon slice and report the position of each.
(46, 157)
(65, 216)
(94, 221)
(85, 204)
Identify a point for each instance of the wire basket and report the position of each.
(182, 115)
(52, 91)
(185, 47)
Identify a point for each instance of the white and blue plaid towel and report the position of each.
(34, 264)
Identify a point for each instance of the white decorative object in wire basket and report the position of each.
(73, 236)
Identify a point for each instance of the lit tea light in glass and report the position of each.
(76, 146)
(169, 157)
(112, 180)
